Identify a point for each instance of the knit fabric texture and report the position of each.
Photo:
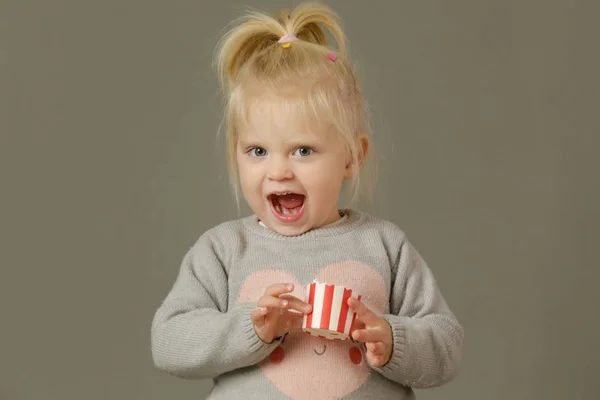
(203, 328)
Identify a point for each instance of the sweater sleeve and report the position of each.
(194, 334)
(427, 338)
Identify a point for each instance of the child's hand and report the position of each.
(273, 318)
(374, 331)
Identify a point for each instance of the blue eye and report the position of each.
(304, 151)
(258, 152)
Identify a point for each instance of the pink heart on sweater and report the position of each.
(306, 367)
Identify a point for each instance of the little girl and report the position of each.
(296, 130)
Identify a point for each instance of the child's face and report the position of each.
(279, 153)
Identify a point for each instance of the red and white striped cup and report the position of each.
(331, 318)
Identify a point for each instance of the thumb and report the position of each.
(358, 324)
(258, 316)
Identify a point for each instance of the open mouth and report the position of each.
(287, 206)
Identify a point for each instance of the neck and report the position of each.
(335, 216)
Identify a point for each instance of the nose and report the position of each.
(279, 169)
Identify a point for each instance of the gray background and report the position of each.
(486, 120)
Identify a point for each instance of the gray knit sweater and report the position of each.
(203, 327)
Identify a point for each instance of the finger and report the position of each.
(294, 319)
(376, 360)
(296, 315)
(377, 348)
(278, 289)
(368, 335)
(358, 324)
(282, 330)
(295, 303)
(362, 312)
(272, 302)
(292, 314)
(258, 316)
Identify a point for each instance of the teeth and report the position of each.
(278, 208)
(286, 211)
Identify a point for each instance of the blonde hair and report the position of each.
(250, 59)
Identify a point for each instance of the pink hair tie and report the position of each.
(332, 56)
(286, 40)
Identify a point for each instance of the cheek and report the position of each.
(323, 179)
(330, 369)
(277, 356)
(249, 176)
(355, 355)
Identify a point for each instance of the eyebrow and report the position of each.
(245, 144)
(293, 143)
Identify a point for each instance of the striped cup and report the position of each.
(331, 318)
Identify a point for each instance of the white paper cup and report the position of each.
(331, 318)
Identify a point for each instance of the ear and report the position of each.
(364, 144)
(363, 149)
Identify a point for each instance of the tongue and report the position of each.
(290, 200)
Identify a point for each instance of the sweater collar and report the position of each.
(350, 219)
